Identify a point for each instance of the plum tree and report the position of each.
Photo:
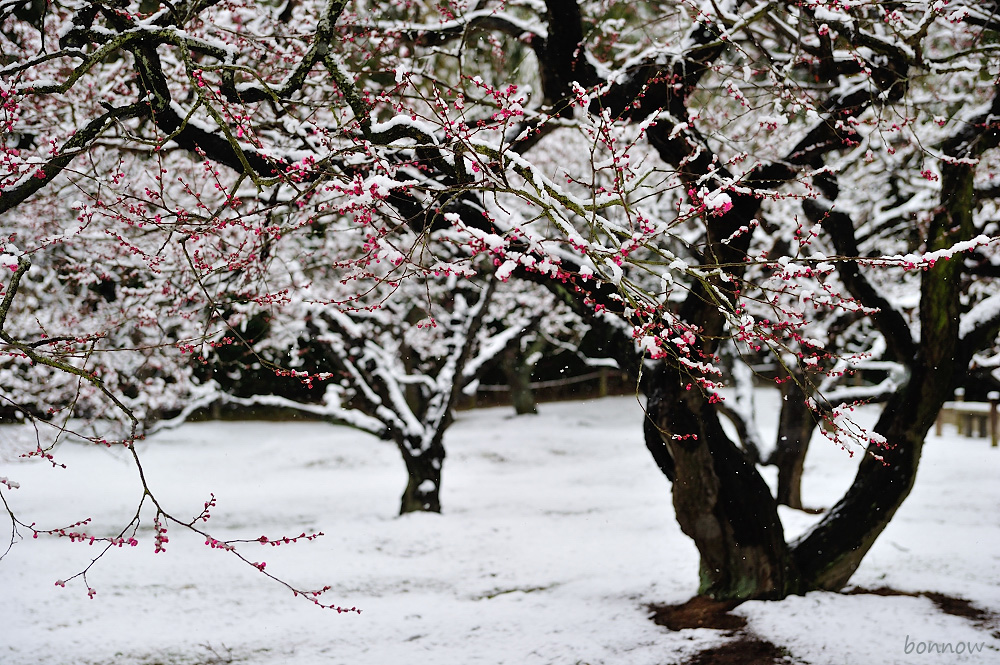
(814, 181)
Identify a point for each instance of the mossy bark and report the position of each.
(830, 553)
(720, 499)
(518, 374)
(722, 503)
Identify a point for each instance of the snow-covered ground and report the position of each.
(558, 531)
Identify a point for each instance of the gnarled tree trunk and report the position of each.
(831, 552)
(720, 499)
(723, 504)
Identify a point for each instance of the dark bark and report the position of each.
(796, 425)
(840, 227)
(518, 374)
(423, 466)
(830, 554)
(564, 61)
(832, 551)
(720, 499)
(72, 148)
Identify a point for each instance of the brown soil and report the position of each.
(747, 650)
(699, 612)
(959, 607)
(953, 605)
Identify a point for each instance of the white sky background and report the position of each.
(557, 532)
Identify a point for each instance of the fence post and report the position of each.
(993, 397)
(959, 418)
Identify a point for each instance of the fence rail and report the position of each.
(552, 383)
(605, 381)
(971, 418)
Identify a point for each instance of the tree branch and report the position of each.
(73, 147)
(891, 323)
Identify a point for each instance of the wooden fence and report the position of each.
(971, 418)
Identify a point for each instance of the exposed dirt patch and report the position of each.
(748, 650)
(702, 612)
(960, 607)
(953, 605)
(699, 612)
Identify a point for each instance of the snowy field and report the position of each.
(557, 534)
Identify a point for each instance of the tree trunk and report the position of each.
(423, 464)
(829, 554)
(518, 374)
(720, 499)
(796, 425)
(832, 551)
(723, 504)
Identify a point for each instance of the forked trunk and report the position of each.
(723, 504)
